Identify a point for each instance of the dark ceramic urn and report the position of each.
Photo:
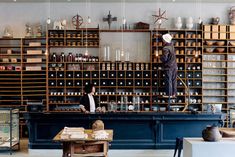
(211, 134)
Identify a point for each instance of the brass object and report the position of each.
(159, 18)
(181, 52)
(77, 21)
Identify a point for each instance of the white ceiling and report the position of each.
(162, 1)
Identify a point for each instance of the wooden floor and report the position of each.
(25, 152)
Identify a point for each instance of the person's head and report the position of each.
(166, 38)
(90, 88)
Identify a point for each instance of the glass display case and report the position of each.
(9, 129)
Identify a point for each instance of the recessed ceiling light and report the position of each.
(69, 0)
(14, 0)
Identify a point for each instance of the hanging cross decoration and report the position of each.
(159, 18)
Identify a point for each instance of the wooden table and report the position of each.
(85, 147)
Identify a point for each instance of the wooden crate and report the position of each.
(207, 35)
(222, 35)
(232, 35)
(215, 28)
(232, 28)
(214, 35)
(222, 28)
(207, 28)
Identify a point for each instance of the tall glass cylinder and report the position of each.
(118, 55)
(127, 56)
(106, 53)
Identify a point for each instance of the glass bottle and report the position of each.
(76, 58)
(80, 57)
(54, 57)
(70, 57)
(118, 55)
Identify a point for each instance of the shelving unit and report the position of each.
(188, 47)
(9, 129)
(10, 73)
(218, 68)
(33, 71)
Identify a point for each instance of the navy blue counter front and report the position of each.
(148, 130)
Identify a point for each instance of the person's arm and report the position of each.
(82, 104)
(164, 57)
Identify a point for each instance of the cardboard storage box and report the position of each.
(33, 60)
(222, 35)
(207, 28)
(32, 68)
(215, 36)
(5, 60)
(232, 36)
(207, 35)
(34, 52)
(34, 44)
(232, 28)
(215, 28)
(222, 28)
(13, 60)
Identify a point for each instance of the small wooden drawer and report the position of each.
(69, 83)
(60, 83)
(86, 74)
(207, 35)
(215, 28)
(95, 74)
(95, 82)
(222, 28)
(121, 74)
(207, 28)
(146, 82)
(222, 35)
(121, 83)
(215, 36)
(232, 28)
(78, 74)
(129, 74)
(60, 74)
(232, 36)
(78, 83)
(154, 74)
(112, 74)
(112, 82)
(129, 82)
(138, 74)
(103, 74)
(138, 82)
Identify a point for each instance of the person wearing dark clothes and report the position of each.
(168, 59)
(88, 101)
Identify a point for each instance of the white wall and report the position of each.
(17, 15)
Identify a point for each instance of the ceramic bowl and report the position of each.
(219, 49)
(232, 49)
(209, 49)
(232, 43)
(209, 43)
(220, 43)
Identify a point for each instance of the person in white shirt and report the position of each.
(88, 101)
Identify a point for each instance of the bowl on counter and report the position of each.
(220, 49)
(209, 49)
(232, 49)
(209, 43)
(232, 43)
(220, 43)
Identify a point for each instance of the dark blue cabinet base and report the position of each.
(131, 130)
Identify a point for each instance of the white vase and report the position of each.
(189, 24)
(178, 23)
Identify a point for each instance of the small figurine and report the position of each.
(8, 33)
(39, 30)
(28, 30)
(109, 19)
(232, 15)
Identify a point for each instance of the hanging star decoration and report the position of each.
(159, 18)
